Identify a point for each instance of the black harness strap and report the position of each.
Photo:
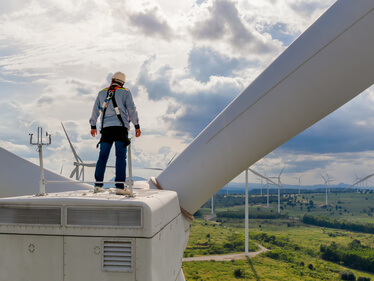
(107, 136)
(116, 109)
(111, 96)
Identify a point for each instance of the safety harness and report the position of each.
(111, 96)
(108, 136)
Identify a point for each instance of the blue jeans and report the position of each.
(121, 152)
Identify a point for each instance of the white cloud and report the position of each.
(184, 60)
(151, 24)
(15, 148)
(221, 22)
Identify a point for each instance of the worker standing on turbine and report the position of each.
(117, 108)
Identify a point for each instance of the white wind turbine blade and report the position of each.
(266, 178)
(81, 174)
(71, 146)
(299, 179)
(78, 174)
(157, 169)
(93, 165)
(73, 172)
(361, 180)
(323, 178)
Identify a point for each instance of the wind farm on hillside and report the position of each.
(307, 240)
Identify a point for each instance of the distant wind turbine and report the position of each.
(262, 184)
(279, 186)
(327, 180)
(267, 193)
(267, 183)
(212, 206)
(246, 205)
(79, 173)
(299, 179)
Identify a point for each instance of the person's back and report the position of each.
(117, 108)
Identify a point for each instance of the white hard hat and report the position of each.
(119, 76)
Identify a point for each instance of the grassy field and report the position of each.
(295, 257)
(210, 238)
(263, 268)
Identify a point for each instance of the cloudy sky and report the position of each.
(184, 61)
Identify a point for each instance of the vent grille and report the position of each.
(108, 217)
(118, 256)
(30, 215)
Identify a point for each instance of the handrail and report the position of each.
(103, 182)
(43, 181)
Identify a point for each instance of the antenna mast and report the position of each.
(40, 144)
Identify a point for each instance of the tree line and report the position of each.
(354, 255)
(240, 214)
(339, 224)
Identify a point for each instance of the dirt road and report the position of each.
(226, 257)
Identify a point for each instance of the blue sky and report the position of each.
(184, 63)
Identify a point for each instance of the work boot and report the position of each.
(98, 189)
(121, 191)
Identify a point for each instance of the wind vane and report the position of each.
(40, 144)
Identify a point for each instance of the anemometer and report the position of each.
(40, 144)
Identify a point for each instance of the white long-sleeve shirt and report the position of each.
(125, 105)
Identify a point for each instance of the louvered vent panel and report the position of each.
(118, 255)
